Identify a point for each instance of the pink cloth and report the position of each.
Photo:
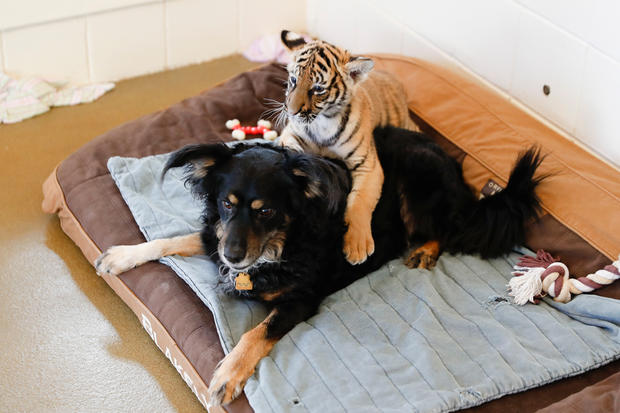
(269, 48)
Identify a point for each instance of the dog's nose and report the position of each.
(234, 254)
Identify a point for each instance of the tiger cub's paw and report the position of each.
(358, 243)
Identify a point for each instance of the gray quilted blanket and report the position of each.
(399, 340)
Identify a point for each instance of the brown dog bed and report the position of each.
(481, 129)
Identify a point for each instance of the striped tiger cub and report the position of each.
(333, 103)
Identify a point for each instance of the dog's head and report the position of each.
(254, 193)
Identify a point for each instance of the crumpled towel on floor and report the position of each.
(23, 99)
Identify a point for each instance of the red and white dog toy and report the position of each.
(543, 274)
(263, 128)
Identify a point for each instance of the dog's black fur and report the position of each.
(291, 244)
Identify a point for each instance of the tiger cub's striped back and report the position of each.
(333, 103)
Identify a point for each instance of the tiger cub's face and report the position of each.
(321, 79)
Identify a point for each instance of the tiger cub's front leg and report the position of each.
(409, 124)
(289, 140)
(367, 176)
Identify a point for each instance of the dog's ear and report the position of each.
(292, 40)
(320, 179)
(200, 157)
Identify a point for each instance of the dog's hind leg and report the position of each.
(424, 256)
(121, 258)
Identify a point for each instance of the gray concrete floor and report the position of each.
(67, 342)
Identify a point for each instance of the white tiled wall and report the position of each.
(124, 42)
(551, 58)
(20, 13)
(269, 16)
(598, 110)
(190, 39)
(97, 40)
(1, 53)
(61, 49)
(517, 46)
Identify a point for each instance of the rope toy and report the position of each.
(263, 128)
(537, 276)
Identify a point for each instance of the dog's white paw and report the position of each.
(117, 260)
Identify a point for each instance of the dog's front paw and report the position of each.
(228, 380)
(358, 243)
(117, 260)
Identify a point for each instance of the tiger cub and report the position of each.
(333, 103)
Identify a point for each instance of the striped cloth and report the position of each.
(23, 99)
(399, 340)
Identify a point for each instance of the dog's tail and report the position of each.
(496, 224)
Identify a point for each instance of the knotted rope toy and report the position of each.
(543, 274)
(263, 128)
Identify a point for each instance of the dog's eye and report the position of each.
(265, 212)
(227, 204)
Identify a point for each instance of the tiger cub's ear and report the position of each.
(358, 67)
(291, 40)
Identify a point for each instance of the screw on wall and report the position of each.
(546, 90)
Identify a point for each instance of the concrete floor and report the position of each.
(67, 342)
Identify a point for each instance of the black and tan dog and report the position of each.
(274, 219)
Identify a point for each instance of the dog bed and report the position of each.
(478, 127)
(396, 340)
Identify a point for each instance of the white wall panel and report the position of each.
(598, 114)
(516, 45)
(401, 10)
(54, 51)
(546, 57)
(484, 38)
(196, 31)
(114, 39)
(336, 22)
(605, 33)
(1, 54)
(462, 29)
(416, 46)
(376, 32)
(126, 43)
(438, 21)
(312, 15)
(574, 16)
(269, 16)
(19, 13)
